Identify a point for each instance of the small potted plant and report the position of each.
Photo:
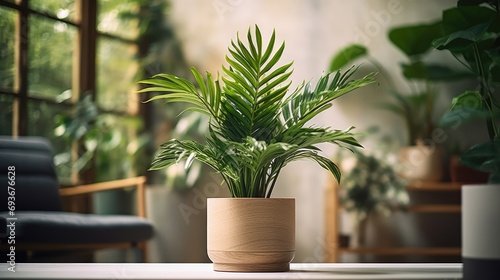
(255, 130)
(370, 185)
(473, 36)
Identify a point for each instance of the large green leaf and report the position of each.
(462, 116)
(432, 72)
(493, 3)
(466, 107)
(494, 70)
(460, 40)
(347, 56)
(494, 54)
(469, 99)
(465, 17)
(437, 72)
(415, 39)
(484, 157)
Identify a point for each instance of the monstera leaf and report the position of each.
(416, 39)
(347, 56)
(484, 157)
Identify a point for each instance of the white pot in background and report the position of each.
(481, 232)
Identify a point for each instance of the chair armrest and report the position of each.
(138, 182)
(104, 186)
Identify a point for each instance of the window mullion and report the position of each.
(85, 68)
(20, 116)
(87, 48)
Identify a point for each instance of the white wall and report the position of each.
(313, 30)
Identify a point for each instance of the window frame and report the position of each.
(84, 69)
(84, 60)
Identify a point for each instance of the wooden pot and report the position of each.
(251, 234)
(421, 163)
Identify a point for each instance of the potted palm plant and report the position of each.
(255, 130)
(473, 36)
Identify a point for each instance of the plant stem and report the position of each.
(261, 188)
(485, 92)
(461, 62)
(274, 181)
(429, 109)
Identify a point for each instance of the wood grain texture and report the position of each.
(251, 234)
(134, 182)
(331, 220)
(427, 251)
(104, 186)
(251, 261)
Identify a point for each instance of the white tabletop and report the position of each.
(204, 271)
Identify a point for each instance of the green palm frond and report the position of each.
(206, 100)
(306, 103)
(255, 129)
(308, 136)
(253, 88)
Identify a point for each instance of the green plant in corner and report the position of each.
(255, 129)
(416, 108)
(473, 38)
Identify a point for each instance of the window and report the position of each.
(52, 53)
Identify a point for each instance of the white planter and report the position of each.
(481, 231)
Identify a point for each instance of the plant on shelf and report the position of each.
(254, 129)
(473, 36)
(370, 185)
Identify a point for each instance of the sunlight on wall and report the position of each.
(314, 31)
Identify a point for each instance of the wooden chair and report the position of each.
(36, 210)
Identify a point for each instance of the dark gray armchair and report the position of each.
(40, 222)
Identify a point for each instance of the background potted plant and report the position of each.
(370, 185)
(473, 38)
(420, 158)
(255, 130)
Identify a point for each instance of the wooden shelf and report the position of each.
(435, 186)
(403, 251)
(435, 208)
(332, 221)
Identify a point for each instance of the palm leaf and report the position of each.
(307, 103)
(253, 89)
(207, 100)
